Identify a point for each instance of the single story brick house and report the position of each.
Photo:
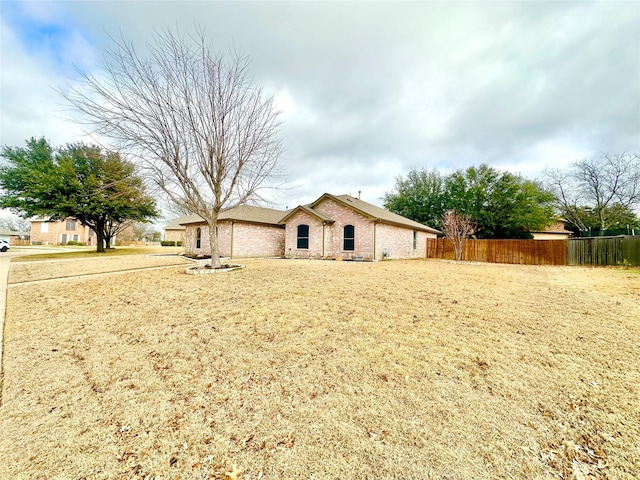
(44, 232)
(244, 231)
(334, 226)
(174, 231)
(345, 227)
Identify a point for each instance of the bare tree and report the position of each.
(15, 223)
(204, 132)
(142, 231)
(596, 185)
(457, 228)
(174, 211)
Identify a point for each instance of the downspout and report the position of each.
(231, 252)
(375, 224)
(323, 225)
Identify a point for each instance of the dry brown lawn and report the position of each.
(60, 268)
(324, 370)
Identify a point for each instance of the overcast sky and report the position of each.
(369, 90)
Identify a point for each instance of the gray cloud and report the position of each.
(369, 90)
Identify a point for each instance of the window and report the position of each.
(76, 238)
(198, 237)
(71, 225)
(63, 238)
(349, 238)
(415, 239)
(303, 237)
(44, 227)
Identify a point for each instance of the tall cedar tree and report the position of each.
(98, 188)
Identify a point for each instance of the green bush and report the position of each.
(74, 243)
(179, 243)
(168, 243)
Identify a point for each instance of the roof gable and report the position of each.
(308, 210)
(374, 212)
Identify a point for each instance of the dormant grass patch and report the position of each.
(313, 369)
(70, 267)
(89, 252)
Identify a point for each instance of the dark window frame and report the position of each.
(70, 223)
(415, 240)
(302, 237)
(198, 237)
(348, 238)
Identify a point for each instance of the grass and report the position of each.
(37, 270)
(85, 252)
(312, 369)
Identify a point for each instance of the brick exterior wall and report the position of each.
(315, 249)
(174, 235)
(56, 231)
(395, 240)
(343, 216)
(249, 239)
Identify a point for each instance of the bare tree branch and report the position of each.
(201, 129)
(597, 185)
(457, 228)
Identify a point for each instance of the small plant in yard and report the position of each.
(457, 228)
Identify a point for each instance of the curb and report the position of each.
(4, 277)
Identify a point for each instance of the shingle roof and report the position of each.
(310, 211)
(243, 213)
(376, 213)
(252, 214)
(4, 231)
(176, 224)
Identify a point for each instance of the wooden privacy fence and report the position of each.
(523, 252)
(604, 251)
(576, 251)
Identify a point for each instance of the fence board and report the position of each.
(578, 251)
(523, 252)
(604, 251)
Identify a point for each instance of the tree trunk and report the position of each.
(213, 242)
(603, 221)
(99, 240)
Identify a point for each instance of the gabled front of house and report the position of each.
(345, 227)
(332, 227)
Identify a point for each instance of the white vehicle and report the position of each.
(4, 245)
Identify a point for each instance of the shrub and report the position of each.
(179, 243)
(73, 242)
(168, 243)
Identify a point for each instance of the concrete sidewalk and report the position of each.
(4, 277)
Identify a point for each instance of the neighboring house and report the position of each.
(244, 231)
(174, 231)
(554, 231)
(14, 238)
(345, 227)
(340, 227)
(60, 232)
